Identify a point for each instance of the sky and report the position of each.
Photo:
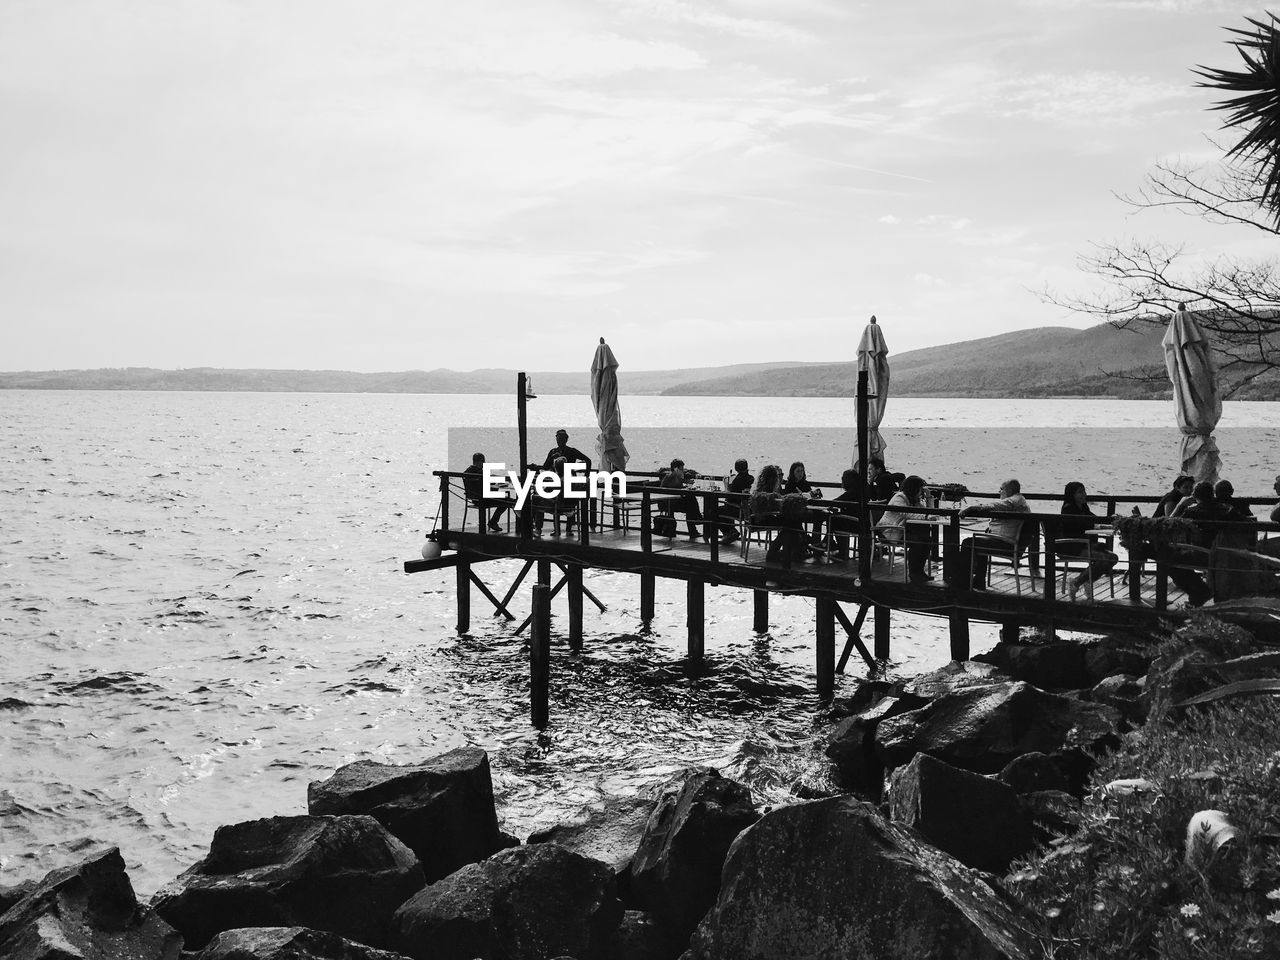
(381, 185)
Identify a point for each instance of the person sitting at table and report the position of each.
(1181, 491)
(847, 504)
(557, 504)
(764, 509)
(731, 509)
(1077, 520)
(894, 528)
(881, 484)
(1239, 538)
(1203, 506)
(798, 482)
(1000, 537)
(674, 479)
(1270, 547)
(473, 487)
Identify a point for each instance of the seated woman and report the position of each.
(798, 482)
(1181, 491)
(1077, 520)
(765, 508)
(893, 526)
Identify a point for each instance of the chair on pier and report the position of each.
(893, 547)
(1007, 550)
(1083, 555)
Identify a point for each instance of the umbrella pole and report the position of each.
(864, 519)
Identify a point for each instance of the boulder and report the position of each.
(832, 879)
(851, 745)
(675, 873)
(86, 911)
(1124, 692)
(610, 834)
(1036, 771)
(11, 893)
(976, 819)
(526, 903)
(983, 728)
(343, 874)
(441, 809)
(956, 675)
(867, 694)
(288, 943)
(1050, 666)
(1111, 656)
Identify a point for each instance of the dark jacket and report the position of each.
(570, 455)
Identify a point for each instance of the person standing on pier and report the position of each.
(562, 451)
(1000, 537)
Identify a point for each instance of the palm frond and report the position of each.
(1254, 106)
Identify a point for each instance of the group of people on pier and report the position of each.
(784, 503)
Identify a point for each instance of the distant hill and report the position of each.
(1101, 361)
(343, 381)
(1044, 362)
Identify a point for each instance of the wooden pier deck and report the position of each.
(1137, 596)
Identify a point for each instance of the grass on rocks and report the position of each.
(1119, 886)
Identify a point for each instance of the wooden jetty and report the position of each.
(618, 535)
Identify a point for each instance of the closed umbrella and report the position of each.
(611, 451)
(873, 357)
(1189, 360)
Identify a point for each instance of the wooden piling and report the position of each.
(883, 615)
(761, 621)
(1009, 632)
(573, 574)
(647, 585)
(825, 647)
(463, 572)
(540, 657)
(696, 603)
(959, 636)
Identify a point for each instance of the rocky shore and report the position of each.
(961, 791)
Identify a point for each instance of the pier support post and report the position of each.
(761, 621)
(882, 632)
(573, 574)
(544, 572)
(463, 572)
(959, 636)
(1008, 632)
(646, 596)
(825, 647)
(697, 620)
(540, 657)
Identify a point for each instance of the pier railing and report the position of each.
(646, 500)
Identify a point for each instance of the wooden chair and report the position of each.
(1082, 560)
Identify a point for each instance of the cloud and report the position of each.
(679, 12)
(890, 219)
(1085, 99)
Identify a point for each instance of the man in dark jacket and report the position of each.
(562, 451)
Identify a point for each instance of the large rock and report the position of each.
(1110, 656)
(977, 820)
(983, 728)
(1036, 771)
(833, 880)
(289, 943)
(441, 809)
(1124, 692)
(1050, 666)
(344, 874)
(610, 833)
(526, 903)
(86, 911)
(676, 872)
(851, 745)
(956, 675)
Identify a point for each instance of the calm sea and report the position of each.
(202, 606)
